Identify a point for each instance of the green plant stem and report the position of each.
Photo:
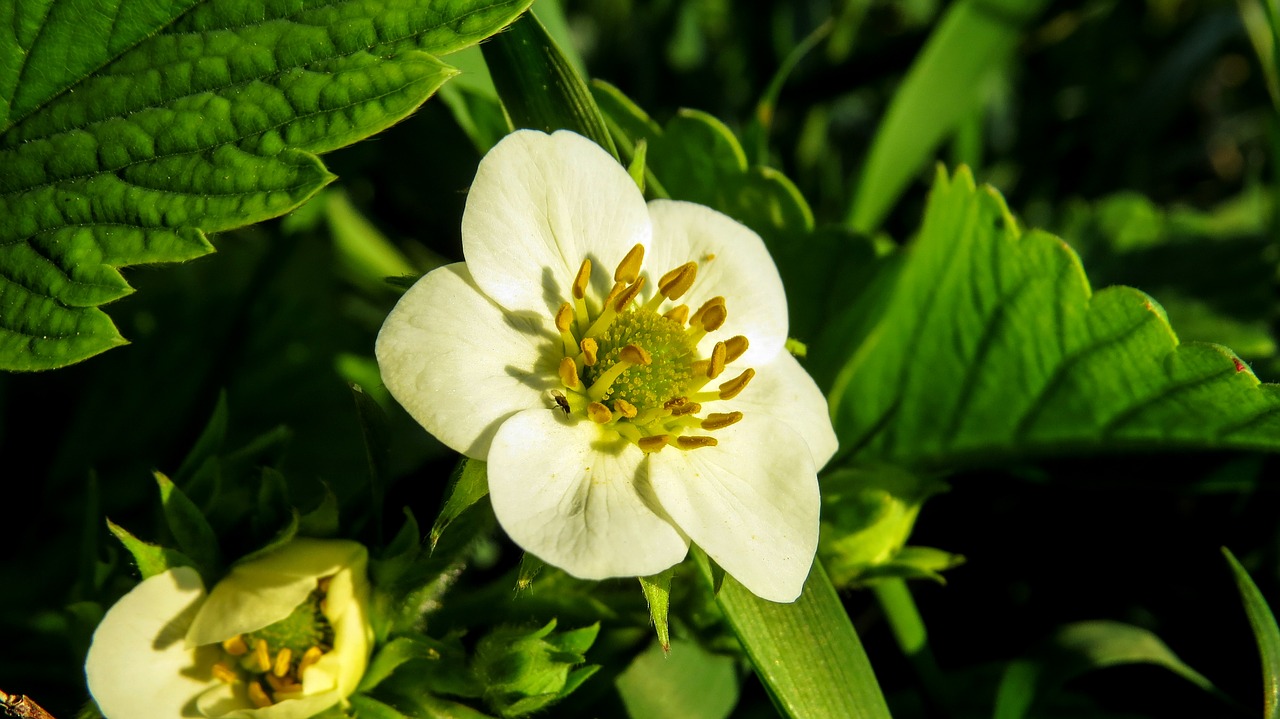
(908, 629)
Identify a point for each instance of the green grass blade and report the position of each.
(942, 88)
(126, 147)
(807, 653)
(1265, 632)
(994, 346)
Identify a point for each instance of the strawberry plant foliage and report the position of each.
(128, 131)
(994, 345)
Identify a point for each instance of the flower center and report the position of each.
(635, 369)
(271, 661)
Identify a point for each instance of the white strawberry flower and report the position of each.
(622, 413)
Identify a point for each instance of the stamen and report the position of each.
(629, 356)
(696, 319)
(235, 646)
(279, 684)
(730, 389)
(262, 655)
(625, 299)
(718, 358)
(258, 695)
(654, 443)
(599, 413)
(624, 408)
(685, 409)
(564, 323)
(309, 657)
(589, 349)
(629, 269)
(720, 420)
(281, 666)
(700, 368)
(678, 314)
(568, 373)
(675, 283)
(611, 309)
(686, 441)
(714, 317)
(613, 293)
(224, 673)
(581, 279)
(580, 292)
(736, 346)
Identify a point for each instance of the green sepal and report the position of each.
(469, 485)
(524, 671)
(539, 87)
(208, 445)
(395, 653)
(189, 527)
(377, 448)
(322, 521)
(657, 594)
(1265, 632)
(150, 558)
(637, 166)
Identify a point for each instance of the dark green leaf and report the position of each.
(322, 521)
(151, 559)
(190, 528)
(395, 653)
(470, 484)
(806, 677)
(129, 130)
(994, 345)
(539, 87)
(377, 448)
(1265, 632)
(208, 444)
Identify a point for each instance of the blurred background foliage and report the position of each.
(1144, 133)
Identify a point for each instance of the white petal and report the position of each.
(263, 591)
(783, 390)
(138, 664)
(224, 702)
(460, 365)
(577, 498)
(540, 204)
(732, 263)
(347, 609)
(751, 503)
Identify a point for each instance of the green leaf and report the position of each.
(1265, 632)
(1262, 22)
(377, 448)
(151, 559)
(130, 130)
(539, 87)
(366, 707)
(994, 345)
(824, 679)
(688, 682)
(395, 653)
(1080, 648)
(968, 46)
(657, 594)
(470, 484)
(323, 520)
(208, 444)
(365, 255)
(189, 526)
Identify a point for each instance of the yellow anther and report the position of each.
(695, 441)
(589, 349)
(627, 296)
(280, 685)
(564, 317)
(599, 413)
(685, 409)
(736, 346)
(618, 287)
(635, 354)
(720, 420)
(700, 368)
(235, 646)
(675, 402)
(258, 695)
(581, 279)
(629, 269)
(730, 389)
(281, 666)
(719, 353)
(262, 655)
(678, 314)
(224, 673)
(675, 283)
(624, 408)
(696, 319)
(568, 373)
(654, 443)
(309, 657)
(714, 317)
